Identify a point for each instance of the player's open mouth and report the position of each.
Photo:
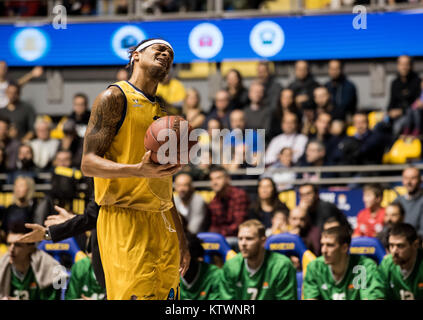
(162, 62)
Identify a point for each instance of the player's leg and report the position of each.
(169, 260)
(128, 251)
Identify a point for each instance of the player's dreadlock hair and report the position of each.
(131, 50)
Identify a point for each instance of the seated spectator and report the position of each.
(286, 104)
(318, 210)
(289, 138)
(80, 116)
(222, 110)
(229, 207)
(21, 114)
(299, 224)
(282, 178)
(332, 275)
(27, 273)
(72, 142)
(304, 80)
(321, 98)
(64, 187)
(342, 91)
(400, 273)
(24, 165)
(190, 204)
(256, 273)
(315, 156)
(370, 219)
(4, 80)
(394, 214)
(201, 281)
(279, 222)
(9, 145)
(321, 128)
(272, 88)
(172, 91)
(372, 142)
(241, 148)
(44, 148)
(405, 89)
(237, 92)
(122, 74)
(267, 202)
(211, 144)
(412, 200)
(342, 149)
(191, 109)
(257, 115)
(83, 284)
(23, 206)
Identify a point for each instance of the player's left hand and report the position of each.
(185, 259)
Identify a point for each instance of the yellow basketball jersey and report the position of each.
(147, 194)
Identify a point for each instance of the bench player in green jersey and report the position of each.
(83, 283)
(27, 273)
(201, 282)
(401, 273)
(256, 273)
(337, 275)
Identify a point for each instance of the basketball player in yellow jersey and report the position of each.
(142, 244)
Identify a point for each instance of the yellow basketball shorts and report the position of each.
(140, 254)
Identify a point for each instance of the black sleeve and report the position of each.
(77, 224)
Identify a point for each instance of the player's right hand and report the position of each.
(148, 169)
(37, 234)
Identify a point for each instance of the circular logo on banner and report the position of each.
(267, 38)
(126, 37)
(205, 40)
(30, 44)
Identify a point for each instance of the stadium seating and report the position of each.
(59, 249)
(215, 243)
(291, 244)
(368, 246)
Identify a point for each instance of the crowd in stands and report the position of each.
(306, 125)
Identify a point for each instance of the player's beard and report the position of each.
(158, 73)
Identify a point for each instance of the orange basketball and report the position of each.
(159, 132)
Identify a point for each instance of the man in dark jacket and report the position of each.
(304, 80)
(272, 88)
(405, 88)
(343, 92)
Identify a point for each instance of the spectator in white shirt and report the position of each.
(289, 138)
(190, 204)
(44, 148)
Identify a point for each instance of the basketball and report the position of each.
(158, 133)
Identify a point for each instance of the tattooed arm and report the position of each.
(104, 120)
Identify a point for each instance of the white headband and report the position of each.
(150, 43)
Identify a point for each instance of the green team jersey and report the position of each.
(358, 283)
(205, 285)
(28, 288)
(394, 286)
(274, 280)
(83, 282)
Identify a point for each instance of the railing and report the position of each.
(254, 173)
(138, 10)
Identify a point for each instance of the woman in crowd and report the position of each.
(267, 202)
(191, 109)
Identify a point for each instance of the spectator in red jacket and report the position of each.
(229, 208)
(370, 219)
